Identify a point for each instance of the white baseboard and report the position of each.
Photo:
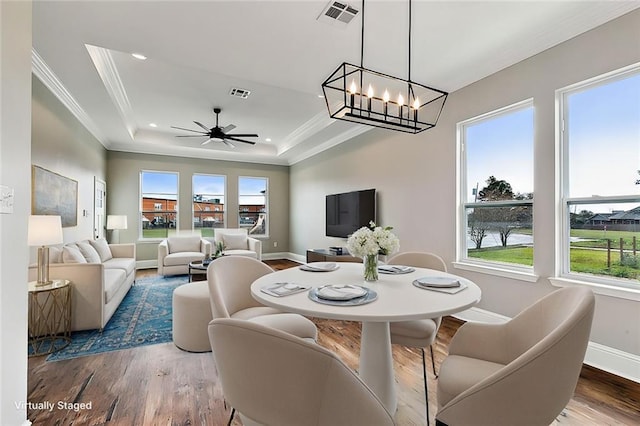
(274, 256)
(603, 357)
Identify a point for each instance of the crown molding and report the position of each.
(308, 129)
(356, 130)
(41, 70)
(108, 72)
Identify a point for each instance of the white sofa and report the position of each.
(101, 275)
(175, 254)
(237, 242)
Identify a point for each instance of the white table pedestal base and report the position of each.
(376, 363)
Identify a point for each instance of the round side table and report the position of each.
(49, 317)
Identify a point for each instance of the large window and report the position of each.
(600, 180)
(252, 203)
(496, 188)
(158, 203)
(208, 203)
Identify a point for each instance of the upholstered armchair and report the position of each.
(238, 243)
(175, 254)
(521, 372)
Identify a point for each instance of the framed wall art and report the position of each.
(54, 194)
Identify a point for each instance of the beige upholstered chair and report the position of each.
(230, 279)
(521, 372)
(274, 378)
(237, 243)
(175, 254)
(418, 333)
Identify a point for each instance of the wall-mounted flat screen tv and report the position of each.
(349, 211)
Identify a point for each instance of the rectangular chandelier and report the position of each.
(360, 95)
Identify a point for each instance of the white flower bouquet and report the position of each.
(368, 243)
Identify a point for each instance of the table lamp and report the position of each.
(115, 222)
(44, 230)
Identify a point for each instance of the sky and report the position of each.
(603, 128)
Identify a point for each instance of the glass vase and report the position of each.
(371, 267)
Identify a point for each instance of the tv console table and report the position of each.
(325, 255)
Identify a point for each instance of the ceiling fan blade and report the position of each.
(229, 144)
(243, 135)
(191, 136)
(202, 125)
(228, 128)
(189, 130)
(207, 141)
(239, 140)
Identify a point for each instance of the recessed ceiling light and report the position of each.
(321, 96)
(153, 125)
(268, 139)
(139, 56)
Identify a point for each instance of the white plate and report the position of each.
(320, 266)
(341, 292)
(438, 282)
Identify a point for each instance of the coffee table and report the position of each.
(197, 268)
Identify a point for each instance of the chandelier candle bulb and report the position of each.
(369, 96)
(385, 99)
(352, 90)
(416, 107)
(400, 105)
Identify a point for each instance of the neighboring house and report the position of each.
(631, 217)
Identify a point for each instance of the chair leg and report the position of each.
(233, 411)
(433, 361)
(426, 387)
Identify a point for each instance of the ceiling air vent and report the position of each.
(338, 13)
(240, 93)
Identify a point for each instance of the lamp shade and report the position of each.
(116, 221)
(44, 230)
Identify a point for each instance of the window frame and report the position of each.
(224, 213)
(141, 210)
(463, 261)
(601, 284)
(266, 206)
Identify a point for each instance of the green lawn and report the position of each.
(518, 254)
(582, 260)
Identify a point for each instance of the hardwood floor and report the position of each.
(162, 385)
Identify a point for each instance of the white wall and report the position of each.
(415, 175)
(15, 146)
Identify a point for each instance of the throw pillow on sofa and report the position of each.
(182, 244)
(89, 252)
(234, 241)
(72, 255)
(102, 247)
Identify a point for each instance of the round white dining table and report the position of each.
(398, 300)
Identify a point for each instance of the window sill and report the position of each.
(515, 274)
(604, 289)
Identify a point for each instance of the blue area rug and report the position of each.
(143, 318)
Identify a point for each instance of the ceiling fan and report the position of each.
(217, 133)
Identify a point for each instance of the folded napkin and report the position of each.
(283, 289)
(395, 269)
(341, 292)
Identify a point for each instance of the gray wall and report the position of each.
(415, 175)
(61, 144)
(123, 192)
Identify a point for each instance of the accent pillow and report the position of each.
(55, 254)
(102, 247)
(182, 244)
(89, 252)
(234, 241)
(72, 255)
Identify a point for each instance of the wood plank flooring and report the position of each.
(162, 385)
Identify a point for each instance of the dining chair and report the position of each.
(274, 378)
(230, 278)
(523, 371)
(418, 333)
